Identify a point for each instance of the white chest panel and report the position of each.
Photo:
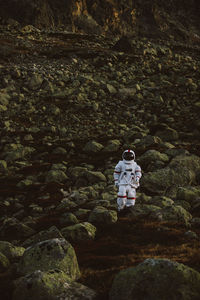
(128, 173)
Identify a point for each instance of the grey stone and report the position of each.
(156, 279)
(191, 235)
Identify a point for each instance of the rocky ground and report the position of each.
(70, 103)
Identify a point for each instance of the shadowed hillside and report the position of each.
(171, 19)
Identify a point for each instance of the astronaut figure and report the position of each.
(126, 176)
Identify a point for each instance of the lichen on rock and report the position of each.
(156, 279)
(50, 254)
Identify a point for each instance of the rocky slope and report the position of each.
(171, 19)
(70, 103)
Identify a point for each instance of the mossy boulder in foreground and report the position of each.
(50, 285)
(156, 279)
(50, 255)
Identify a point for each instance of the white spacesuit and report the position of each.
(126, 176)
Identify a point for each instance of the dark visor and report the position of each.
(128, 156)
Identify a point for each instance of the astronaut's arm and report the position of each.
(138, 173)
(117, 173)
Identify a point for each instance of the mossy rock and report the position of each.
(51, 233)
(79, 232)
(4, 263)
(112, 146)
(102, 216)
(40, 285)
(14, 152)
(156, 279)
(3, 166)
(13, 229)
(93, 147)
(61, 167)
(4, 98)
(181, 171)
(95, 203)
(56, 176)
(148, 142)
(144, 210)
(68, 219)
(176, 213)
(82, 213)
(94, 177)
(51, 285)
(162, 201)
(76, 172)
(189, 194)
(10, 251)
(152, 156)
(169, 134)
(48, 255)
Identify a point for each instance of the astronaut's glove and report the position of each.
(137, 179)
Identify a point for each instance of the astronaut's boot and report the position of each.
(121, 201)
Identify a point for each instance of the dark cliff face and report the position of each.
(178, 18)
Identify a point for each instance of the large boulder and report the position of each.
(156, 279)
(102, 216)
(189, 194)
(92, 147)
(176, 213)
(168, 134)
(181, 171)
(112, 146)
(14, 229)
(89, 177)
(43, 235)
(161, 201)
(79, 232)
(50, 285)
(95, 177)
(145, 211)
(152, 157)
(49, 255)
